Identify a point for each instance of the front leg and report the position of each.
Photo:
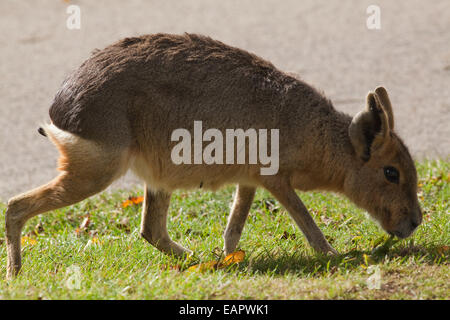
(239, 212)
(285, 194)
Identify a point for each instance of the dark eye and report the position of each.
(391, 174)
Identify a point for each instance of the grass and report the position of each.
(109, 260)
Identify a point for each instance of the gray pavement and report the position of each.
(326, 42)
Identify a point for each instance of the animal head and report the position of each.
(385, 181)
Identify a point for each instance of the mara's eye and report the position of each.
(391, 174)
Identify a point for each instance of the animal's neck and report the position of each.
(337, 157)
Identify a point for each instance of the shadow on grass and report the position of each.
(319, 265)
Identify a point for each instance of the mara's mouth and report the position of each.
(398, 234)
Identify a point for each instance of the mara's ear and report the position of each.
(369, 128)
(383, 97)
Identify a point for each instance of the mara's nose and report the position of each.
(414, 224)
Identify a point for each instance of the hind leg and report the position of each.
(154, 222)
(83, 175)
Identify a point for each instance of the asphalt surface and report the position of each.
(326, 42)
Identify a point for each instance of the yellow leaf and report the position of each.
(137, 200)
(229, 260)
(206, 266)
(126, 203)
(132, 201)
(235, 257)
(28, 241)
(95, 240)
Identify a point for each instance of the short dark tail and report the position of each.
(42, 131)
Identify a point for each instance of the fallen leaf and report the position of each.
(132, 201)
(232, 258)
(206, 266)
(28, 241)
(95, 240)
(137, 200)
(126, 203)
(235, 257)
